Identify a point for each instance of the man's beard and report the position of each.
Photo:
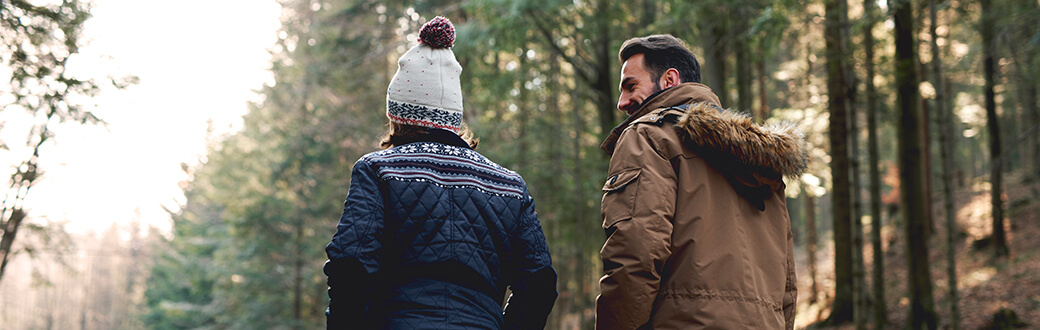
(634, 108)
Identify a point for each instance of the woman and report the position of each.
(432, 232)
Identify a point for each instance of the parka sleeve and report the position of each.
(534, 288)
(353, 252)
(638, 209)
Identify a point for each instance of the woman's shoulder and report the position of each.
(447, 165)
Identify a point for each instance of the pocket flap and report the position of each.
(617, 182)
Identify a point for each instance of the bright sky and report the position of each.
(197, 60)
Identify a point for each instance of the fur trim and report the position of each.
(780, 147)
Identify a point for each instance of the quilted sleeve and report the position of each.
(534, 290)
(353, 252)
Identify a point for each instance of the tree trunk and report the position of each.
(1024, 53)
(604, 88)
(926, 140)
(578, 275)
(878, 289)
(922, 307)
(842, 309)
(763, 95)
(715, 44)
(594, 70)
(523, 114)
(946, 142)
(859, 292)
(926, 165)
(1000, 246)
(10, 228)
(21, 182)
(810, 229)
(1027, 90)
(649, 12)
(297, 278)
(743, 60)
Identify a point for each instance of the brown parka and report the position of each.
(698, 234)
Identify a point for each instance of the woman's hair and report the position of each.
(397, 133)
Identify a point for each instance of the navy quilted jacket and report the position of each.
(432, 234)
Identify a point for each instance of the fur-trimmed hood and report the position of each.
(779, 148)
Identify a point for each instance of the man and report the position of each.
(698, 234)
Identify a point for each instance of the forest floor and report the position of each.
(985, 284)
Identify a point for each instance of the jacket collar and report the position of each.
(434, 135)
(684, 93)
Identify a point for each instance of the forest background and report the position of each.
(916, 110)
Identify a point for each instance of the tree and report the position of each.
(268, 196)
(859, 291)
(922, 310)
(593, 64)
(837, 98)
(1000, 246)
(180, 292)
(878, 279)
(37, 43)
(946, 143)
(812, 241)
(1018, 35)
(716, 46)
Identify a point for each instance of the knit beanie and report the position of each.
(426, 89)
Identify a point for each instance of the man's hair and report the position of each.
(661, 52)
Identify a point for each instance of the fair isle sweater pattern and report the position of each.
(445, 166)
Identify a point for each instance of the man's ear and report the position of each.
(670, 78)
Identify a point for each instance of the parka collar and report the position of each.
(684, 93)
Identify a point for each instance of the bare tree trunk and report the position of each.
(1027, 90)
(810, 229)
(715, 49)
(1000, 246)
(926, 165)
(743, 59)
(1025, 60)
(297, 278)
(12, 214)
(946, 142)
(880, 313)
(844, 299)
(605, 101)
(922, 307)
(523, 113)
(859, 292)
(926, 136)
(556, 152)
(649, 12)
(579, 275)
(763, 95)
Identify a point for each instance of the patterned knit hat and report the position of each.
(426, 89)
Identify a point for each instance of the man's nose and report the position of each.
(623, 104)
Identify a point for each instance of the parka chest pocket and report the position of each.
(619, 197)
